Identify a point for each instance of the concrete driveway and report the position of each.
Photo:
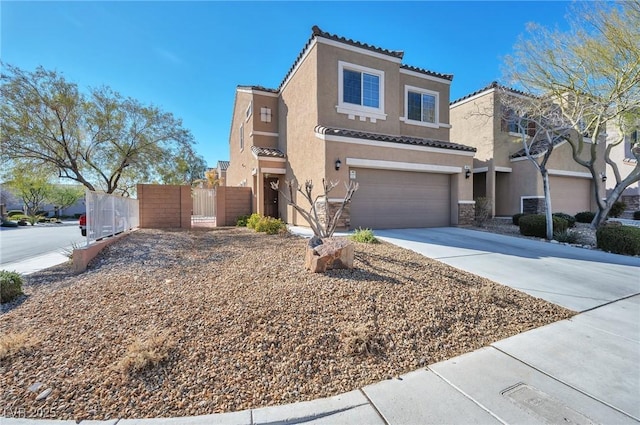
(576, 278)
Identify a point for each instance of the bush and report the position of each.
(585, 217)
(636, 215)
(570, 219)
(617, 209)
(364, 236)
(619, 239)
(241, 221)
(253, 220)
(10, 285)
(270, 226)
(568, 236)
(515, 219)
(536, 225)
(483, 210)
(13, 213)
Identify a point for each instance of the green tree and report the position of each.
(32, 188)
(97, 139)
(63, 196)
(592, 73)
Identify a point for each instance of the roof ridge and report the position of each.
(426, 71)
(492, 85)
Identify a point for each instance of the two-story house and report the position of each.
(501, 170)
(350, 111)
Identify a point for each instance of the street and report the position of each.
(21, 243)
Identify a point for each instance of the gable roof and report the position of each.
(267, 152)
(493, 85)
(258, 88)
(418, 141)
(396, 54)
(538, 147)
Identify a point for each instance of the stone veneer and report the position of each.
(466, 214)
(344, 221)
(534, 206)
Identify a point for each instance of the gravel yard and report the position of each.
(228, 319)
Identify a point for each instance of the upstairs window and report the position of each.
(360, 92)
(265, 114)
(630, 142)
(241, 136)
(249, 110)
(509, 123)
(421, 106)
(361, 88)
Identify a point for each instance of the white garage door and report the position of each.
(400, 199)
(570, 195)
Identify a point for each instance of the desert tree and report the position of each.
(322, 222)
(32, 187)
(62, 196)
(540, 125)
(592, 73)
(96, 139)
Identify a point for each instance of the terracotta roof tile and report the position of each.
(260, 88)
(537, 147)
(223, 165)
(426, 71)
(317, 32)
(393, 139)
(267, 152)
(493, 85)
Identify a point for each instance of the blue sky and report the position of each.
(188, 57)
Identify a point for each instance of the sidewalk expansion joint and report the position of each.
(374, 406)
(567, 384)
(473, 400)
(610, 302)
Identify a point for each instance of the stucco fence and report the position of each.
(171, 207)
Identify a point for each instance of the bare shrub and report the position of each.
(483, 210)
(364, 339)
(146, 352)
(15, 342)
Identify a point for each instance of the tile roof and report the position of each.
(426, 71)
(493, 85)
(392, 139)
(538, 147)
(223, 165)
(267, 152)
(317, 32)
(260, 88)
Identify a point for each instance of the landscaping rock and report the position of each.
(330, 253)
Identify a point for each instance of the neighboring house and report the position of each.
(14, 203)
(348, 110)
(622, 156)
(501, 170)
(221, 171)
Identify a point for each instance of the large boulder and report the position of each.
(328, 253)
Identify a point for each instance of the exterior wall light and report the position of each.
(467, 172)
(338, 164)
(603, 177)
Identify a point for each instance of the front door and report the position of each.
(270, 198)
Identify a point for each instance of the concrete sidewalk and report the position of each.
(584, 370)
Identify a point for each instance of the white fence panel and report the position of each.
(109, 215)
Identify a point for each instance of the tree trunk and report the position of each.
(547, 203)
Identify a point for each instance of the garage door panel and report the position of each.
(397, 199)
(570, 195)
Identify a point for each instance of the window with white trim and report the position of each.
(360, 91)
(421, 106)
(265, 114)
(241, 137)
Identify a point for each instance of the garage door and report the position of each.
(400, 199)
(570, 195)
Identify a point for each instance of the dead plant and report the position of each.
(12, 343)
(146, 352)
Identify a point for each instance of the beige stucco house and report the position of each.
(344, 111)
(501, 170)
(626, 162)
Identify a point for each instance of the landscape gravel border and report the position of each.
(227, 319)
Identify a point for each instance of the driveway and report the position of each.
(576, 278)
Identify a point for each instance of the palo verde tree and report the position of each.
(32, 187)
(540, 124)
(592, 73)
(95, 139)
